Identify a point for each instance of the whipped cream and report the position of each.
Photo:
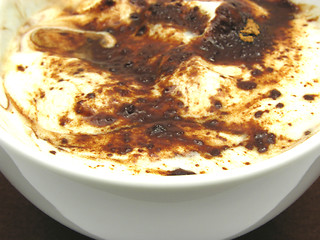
(167, 87)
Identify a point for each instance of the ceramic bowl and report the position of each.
(220, 206)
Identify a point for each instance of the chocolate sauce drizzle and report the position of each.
(153, 124)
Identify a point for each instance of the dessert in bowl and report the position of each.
(104, 101)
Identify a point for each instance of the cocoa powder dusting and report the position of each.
(151, 124)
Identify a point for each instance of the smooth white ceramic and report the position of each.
(206, 207)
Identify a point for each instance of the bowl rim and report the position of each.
(87, 175)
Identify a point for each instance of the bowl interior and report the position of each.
(14, 13)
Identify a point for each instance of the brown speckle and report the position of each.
(21, 68)
(246, 85)
(280, 105)
(274, 94)
(309, 97)
(258, 114)
(307, 133)
(180, 171)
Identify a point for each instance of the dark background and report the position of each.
(20, 220)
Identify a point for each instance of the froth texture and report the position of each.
(168, 87)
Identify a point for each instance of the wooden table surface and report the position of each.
(20, 220)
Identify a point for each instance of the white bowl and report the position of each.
(221, 206)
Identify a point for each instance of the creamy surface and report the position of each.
(167, 87)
